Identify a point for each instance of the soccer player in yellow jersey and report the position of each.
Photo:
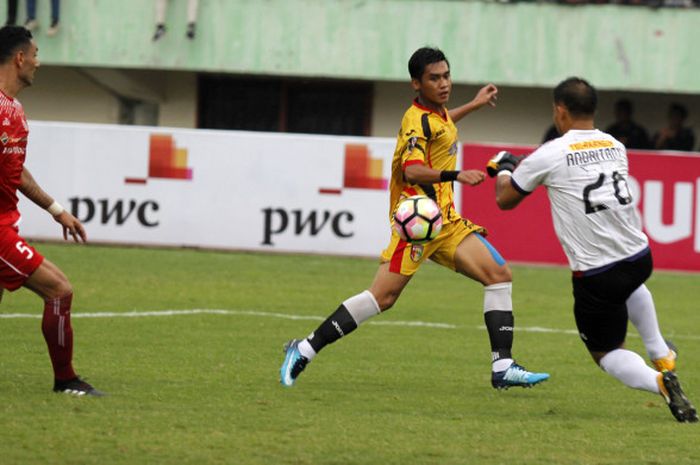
(424, 163)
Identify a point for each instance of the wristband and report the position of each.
(55, 208)
(447, 175)
(505, 173)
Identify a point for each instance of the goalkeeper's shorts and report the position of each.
(405, 258)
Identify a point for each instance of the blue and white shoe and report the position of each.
(515, 375)
(294, 363)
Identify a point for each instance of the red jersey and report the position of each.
(13, 149)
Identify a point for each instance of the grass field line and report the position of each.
(287, 316)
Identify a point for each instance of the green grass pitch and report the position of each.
(204, 388)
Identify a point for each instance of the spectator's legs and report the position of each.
(11, 12)
(55, 14)
(55, 11)
(191, 18)
(31, 22)
(161, 6)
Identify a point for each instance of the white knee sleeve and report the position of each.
(362, 307)
(498, 297)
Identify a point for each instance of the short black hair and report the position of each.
(577, 95)
(679, 109)
(423, 57)
(12, 38)
(624, 105)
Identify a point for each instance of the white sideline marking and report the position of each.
(286, 316)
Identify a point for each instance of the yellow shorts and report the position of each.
(405, 258)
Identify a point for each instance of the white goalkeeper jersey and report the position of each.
(585, 173)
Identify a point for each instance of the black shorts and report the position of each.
(600, 301)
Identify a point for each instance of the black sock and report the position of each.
(339, 324)
(500, 327)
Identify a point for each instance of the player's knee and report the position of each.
(495, 275)
(386, 300)
(60, 287)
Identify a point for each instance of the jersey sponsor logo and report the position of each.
(13, 151)
(440, 133)
(6, 122)
(591, 144)
(417, 252)
(453, 149)
(587, 157)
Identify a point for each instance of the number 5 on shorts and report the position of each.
(24, 249)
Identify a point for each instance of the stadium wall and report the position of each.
(522, 116)
(522, 44)
(300, 193)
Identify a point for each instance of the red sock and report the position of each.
(59, 335)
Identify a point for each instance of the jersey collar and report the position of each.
(418, 105)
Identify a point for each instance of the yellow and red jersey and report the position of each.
(429, 138)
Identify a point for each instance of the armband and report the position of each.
(447, 175)
(55, 208)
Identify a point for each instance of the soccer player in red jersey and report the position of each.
(20, 264)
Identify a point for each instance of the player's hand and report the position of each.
(487, 95)
(471, 177)
(502, 161)
(71, 225)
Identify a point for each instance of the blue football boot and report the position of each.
(294, 363)
(515, 375)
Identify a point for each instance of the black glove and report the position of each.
(502, 161)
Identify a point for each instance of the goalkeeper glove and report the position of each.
(502, 161)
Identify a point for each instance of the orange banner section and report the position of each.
(165, 161)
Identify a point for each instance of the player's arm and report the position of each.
(419, 173)
(487, 95)
(507, 197)
(502, 166)
(71, 225)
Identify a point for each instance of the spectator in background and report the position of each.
(161, 8)
(11, 13)
(631, 134)
(675, 136)
(32, 23)
(551, 133)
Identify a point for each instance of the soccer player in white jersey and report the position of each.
(585, 172)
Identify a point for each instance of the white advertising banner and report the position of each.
(215, 189)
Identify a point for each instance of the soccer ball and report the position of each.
(417, 219)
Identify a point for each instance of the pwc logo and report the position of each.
(165, 160)
(360, 171)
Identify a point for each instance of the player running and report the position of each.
(585, 172)
(20, 264)
(424, 163)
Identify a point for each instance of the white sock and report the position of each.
(306, 350)
(630, 368)
(501, 364)
(642, 314)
